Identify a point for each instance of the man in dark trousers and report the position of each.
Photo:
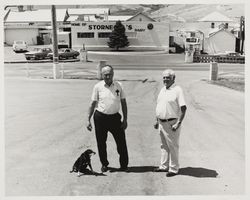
(106, 98)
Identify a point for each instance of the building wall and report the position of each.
(27, 34)
(139, 36)
(205, 27)
(220, 43)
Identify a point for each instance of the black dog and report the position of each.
(83, 162)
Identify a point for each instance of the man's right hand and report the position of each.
(89, 126)
(156, 125)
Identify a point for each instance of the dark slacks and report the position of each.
(110, 123)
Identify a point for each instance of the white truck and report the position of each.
(63, 39)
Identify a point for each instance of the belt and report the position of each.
(104, 114)
(167, 120)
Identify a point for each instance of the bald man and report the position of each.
(106, 98)
(170, 112)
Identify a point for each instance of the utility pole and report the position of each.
(242, 34)
(56, 72)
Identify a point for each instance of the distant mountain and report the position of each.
(193, 12)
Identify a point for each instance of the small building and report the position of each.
(32, 26)
(220, 41)
(214, 20)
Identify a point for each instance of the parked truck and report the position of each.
(63, 40)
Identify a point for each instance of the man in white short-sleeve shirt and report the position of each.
(170, 111)
(107, 96)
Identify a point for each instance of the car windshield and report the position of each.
(37, 49)
(62, 50)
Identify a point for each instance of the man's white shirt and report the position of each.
(108, 97)
(169, 102)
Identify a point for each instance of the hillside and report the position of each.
(187, 12)
(164, 12)
(193, 12)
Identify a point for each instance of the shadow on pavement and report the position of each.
(188, 171)
(135, 169)
(198, 172)
(90, 173)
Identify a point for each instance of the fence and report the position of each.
(219, 59)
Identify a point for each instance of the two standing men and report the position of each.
(107, 97)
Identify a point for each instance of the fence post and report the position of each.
(27, 69)
(62, 70)
(213, 73)
(189, 56)
(100, 65)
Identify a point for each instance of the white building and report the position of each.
(89, 27)
(220, 41)
(30, 25)
(143, 33)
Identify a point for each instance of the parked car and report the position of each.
(65, 54)
(19, 46)
(38, 53)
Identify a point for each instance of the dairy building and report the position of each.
(143, 33)
(88, 29)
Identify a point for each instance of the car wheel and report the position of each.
(27, 58)
(60, 57)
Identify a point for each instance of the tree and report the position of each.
(117, 38)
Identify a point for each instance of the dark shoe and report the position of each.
(158, 169)
(104, 168)
(170, 174)
(123, 169)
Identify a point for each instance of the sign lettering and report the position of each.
(101, 27)
(139, 29)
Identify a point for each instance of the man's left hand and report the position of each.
(176, 126)
(124, 124)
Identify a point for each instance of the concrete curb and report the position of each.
(40, 61)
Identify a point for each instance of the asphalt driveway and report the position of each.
(45, 133)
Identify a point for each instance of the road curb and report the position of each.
(39, 61)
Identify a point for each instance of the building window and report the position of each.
(192, 34)
(85, 35)
(171, 41)
(131, 34)
(104, 34)
(212, 25)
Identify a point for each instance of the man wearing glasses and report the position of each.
(170, 112)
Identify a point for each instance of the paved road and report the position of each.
(44, 132)
(89, 69)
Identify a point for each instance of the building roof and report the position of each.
(117, 17)
(35, 16)
(5, 14)
(88, 11)
(211, 34)
(215, 17)
(140, 13)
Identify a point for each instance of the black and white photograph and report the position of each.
(124, 99)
